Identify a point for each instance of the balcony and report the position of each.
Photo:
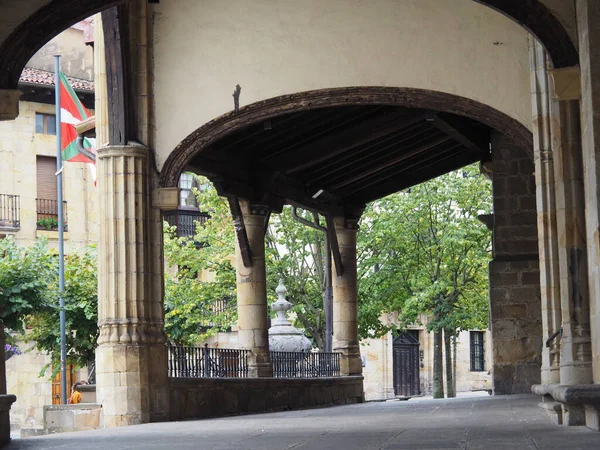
(10, 212)
(185, 221)
(47, 214)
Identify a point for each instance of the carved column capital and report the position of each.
(9, 103)
(566, 83)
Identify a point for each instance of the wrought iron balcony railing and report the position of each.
(10, 211)
(185, 221)
(47, 214)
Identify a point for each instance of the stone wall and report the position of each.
(19, 147)
(514, 272)
(196, 398)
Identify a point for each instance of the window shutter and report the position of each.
(46, 178)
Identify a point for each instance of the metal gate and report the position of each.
(406, 364)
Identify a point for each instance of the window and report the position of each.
(477, 355)
(45, 123)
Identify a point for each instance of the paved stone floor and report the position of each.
(513, 422)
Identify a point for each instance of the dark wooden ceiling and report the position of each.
(353, 154)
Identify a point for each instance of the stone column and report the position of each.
(345, 299)
(575, 359)
(588, 17)
(546, 212)
(516, 321)
(252, 292)
(131, 358)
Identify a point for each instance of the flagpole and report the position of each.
(61, 241)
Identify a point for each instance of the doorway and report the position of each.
(406, 364)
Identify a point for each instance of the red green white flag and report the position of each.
(71, 113)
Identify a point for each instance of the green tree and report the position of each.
(81, 311)
(200, 288)
(424, 251)
(24, 274)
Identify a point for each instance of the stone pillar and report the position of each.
(516, 321)
(588, 17)
(345, 299)
(131, 357)
(575, 345)
(252, 292)
(546, 212)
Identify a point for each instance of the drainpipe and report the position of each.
(328, 294)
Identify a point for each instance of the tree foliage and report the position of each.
(24, 274)
(29, 295)
(424, 251)
(81, 311)
(200, 286)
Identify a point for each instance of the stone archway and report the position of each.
(535, 17)
(310, 100)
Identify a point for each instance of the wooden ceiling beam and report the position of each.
(345, 161)
(386, 162)
(445, 152)
(332, 121)
(448, 165)
(336, 143)
(472, 138)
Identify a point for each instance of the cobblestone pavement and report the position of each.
(504, 422)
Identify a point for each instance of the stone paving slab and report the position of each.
(503, 422)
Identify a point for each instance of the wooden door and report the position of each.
(406, 364)
(56, 384)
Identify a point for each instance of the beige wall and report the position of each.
(379, 376)
(77, 58)
(204, 48)
(19, 146)
(32, 391)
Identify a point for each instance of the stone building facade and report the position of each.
(380, 361)
(27, 147)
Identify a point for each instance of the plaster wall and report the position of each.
(202, 49)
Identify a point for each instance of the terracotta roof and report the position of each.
(43, 77)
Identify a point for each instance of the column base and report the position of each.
(350, 361)
(6, 402)
(131, 384)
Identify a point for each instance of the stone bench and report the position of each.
(572, 404)
(63, 418)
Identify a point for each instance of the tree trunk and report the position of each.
(450, 386)
(454, 345)
(438, 366)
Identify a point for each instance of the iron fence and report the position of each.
(10, 211)
(47, 214)
(204, 362)
(305, 364)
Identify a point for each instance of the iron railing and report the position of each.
(305, 364)
(222, 311)
(10, 211)
(204, 362)
(185, 221)
(47, 214)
